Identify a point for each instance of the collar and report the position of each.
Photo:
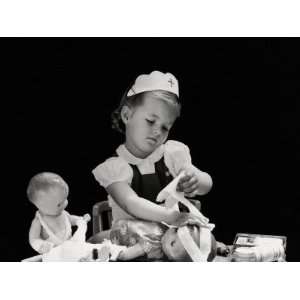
(145, 165)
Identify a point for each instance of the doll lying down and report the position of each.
(146, 241)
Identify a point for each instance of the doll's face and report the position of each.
(172, 246)
(174, 249)
(52, 202)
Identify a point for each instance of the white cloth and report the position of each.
(53, 238)
(117, 169)
(71, 251)
(197, 254)
(172, 197)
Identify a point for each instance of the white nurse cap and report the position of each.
(156, 80)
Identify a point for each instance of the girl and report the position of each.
(146, 163)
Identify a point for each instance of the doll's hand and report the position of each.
(82, 221)
(189, 183)
(86, 218)
(223, 249)
(46, 247)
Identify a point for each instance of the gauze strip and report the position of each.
(172, 197)
(197, 254)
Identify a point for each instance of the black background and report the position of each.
(240, 120)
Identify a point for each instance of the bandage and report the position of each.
(197, 254)
(172, 197)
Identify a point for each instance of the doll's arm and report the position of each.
(76, 220)
(35, 240)
(139, 207)
(131, 252)
(81, 223)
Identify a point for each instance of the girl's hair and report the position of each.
(44, 182)
(136, 100)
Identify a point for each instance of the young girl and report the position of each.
(146, 163)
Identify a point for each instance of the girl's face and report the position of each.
(52, 202)
(148, 125)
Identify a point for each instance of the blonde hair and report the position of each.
(136, 100)
(43, 182)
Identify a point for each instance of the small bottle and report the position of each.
(95, 254)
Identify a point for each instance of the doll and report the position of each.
(52, 223)
(152, 241)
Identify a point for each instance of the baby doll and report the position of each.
(52, 223)
(146, 241)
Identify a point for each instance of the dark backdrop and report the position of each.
(239, 119)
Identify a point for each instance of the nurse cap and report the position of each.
(156, 80)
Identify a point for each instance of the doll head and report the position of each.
(147, 112)
(176, 248)
(48, 192)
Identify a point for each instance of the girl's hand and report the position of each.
(189, 183)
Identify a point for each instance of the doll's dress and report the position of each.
(52, 237)
(148, 234)
(147, 177)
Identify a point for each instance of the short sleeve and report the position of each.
(114, 169)
(176, 155)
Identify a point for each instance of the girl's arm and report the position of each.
(177, 158)
(35, 240)
(139, 207)
(205, 181)
(131, 252)
(195, 182)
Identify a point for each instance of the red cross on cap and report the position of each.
(171, 82)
